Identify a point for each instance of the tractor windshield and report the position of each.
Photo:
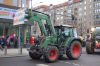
(68, 31)
(97, 32)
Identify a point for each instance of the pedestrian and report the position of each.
(1, 43)
(31, 40)
(8, 41)
(4, 41)
(15, 42)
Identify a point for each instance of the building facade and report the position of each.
(62, 13)
(96, 11)
(86, 13)
(17, 3)
(8, 9)
(77, 9)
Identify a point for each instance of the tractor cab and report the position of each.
(93, 41)
(97, 37)
(66, 31)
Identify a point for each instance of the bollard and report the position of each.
(5, 51)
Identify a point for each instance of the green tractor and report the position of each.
(55, 40)
(93, 40)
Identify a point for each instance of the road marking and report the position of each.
(76, 64)
(73, 63)
(68, 62)
(42, 65)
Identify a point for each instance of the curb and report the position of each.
(9, 56)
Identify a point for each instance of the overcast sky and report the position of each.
(46, 2)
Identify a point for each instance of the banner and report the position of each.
(19, 17)
(7, 13)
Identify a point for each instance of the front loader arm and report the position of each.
(38, 17)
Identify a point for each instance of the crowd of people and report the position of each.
(10, 41)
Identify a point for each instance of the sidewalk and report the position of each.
(13, 53)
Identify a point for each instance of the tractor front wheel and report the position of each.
(34, 55)
(89, 47)
(51, 54)
(74, 51)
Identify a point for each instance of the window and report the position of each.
(80, 3)
(97, 5)
(90, 6)
(97, 23)
(97, 11)
(85, 2)
(85, 7)
(80, 9)
(1, 1)
(84, 13)
(80, 14)
(69, 11)
(61, 17)
(14, 2)
(57, 18)
(22, 3)
(61, 13)
(97, 16)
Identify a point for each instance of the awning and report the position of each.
(6, 20)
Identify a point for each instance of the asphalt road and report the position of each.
(85, 60)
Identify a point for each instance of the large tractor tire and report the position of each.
(74, 51)
(51, 54)
(89, 47)
(34, 55)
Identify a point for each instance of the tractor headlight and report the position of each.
(96, 42)
(92, 29)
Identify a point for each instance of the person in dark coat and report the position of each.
(1, 43)
(4, 41)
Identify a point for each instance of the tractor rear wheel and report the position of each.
(89, 47)
(74, 51)
(51, 54)
(34, 55)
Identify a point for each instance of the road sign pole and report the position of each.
(19, 39)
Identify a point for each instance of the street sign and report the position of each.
(19, 17)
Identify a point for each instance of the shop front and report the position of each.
(10, 31)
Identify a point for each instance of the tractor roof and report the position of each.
(64, 26)
(67, 25)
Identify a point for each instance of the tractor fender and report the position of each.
(70, 40)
